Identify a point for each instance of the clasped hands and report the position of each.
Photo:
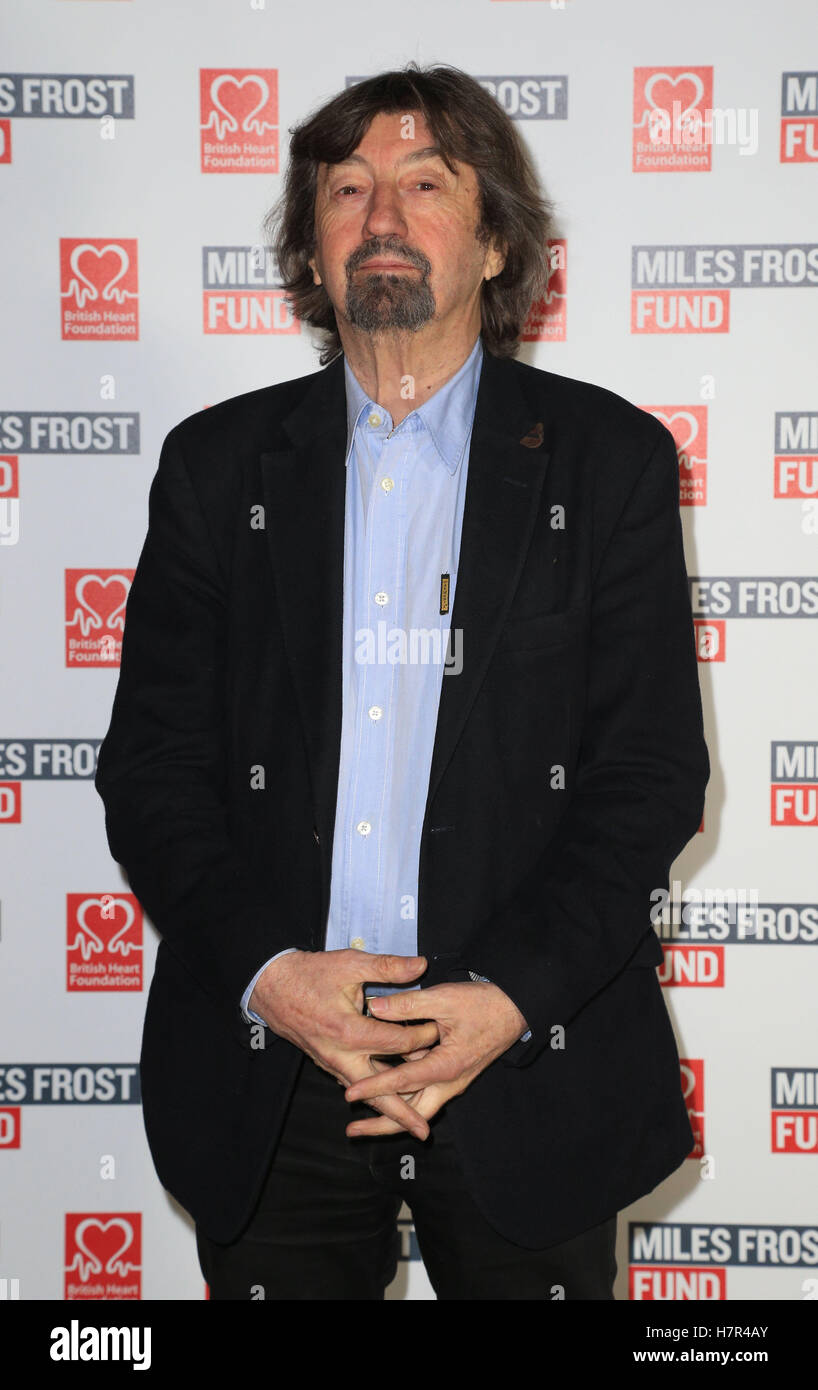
(315, 998)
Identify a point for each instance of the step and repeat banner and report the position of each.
(141, 144)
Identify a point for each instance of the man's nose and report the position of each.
(384, 214)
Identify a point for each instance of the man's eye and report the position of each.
(422, 183)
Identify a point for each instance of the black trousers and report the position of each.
(325, 1226)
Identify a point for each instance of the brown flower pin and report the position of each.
(535, 436)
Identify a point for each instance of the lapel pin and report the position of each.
(535, 436)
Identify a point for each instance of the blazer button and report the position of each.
(315, 835)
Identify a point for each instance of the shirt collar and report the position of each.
(447, 415)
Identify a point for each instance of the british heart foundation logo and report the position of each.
(95, 616)
(546, 321)
(103, 1255)
(239, 120)
(9, 499)
(688, 425)
(692, 1074)
(103, 942)
(99, 290)
(672, 111)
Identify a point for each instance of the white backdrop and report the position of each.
(107, 212)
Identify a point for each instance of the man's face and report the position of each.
(395, 231)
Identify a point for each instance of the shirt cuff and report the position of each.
(481, 979)
(245, 998)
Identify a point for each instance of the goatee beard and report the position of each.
(379, 299)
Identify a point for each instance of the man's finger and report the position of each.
(428, 1105)
(405, 1116)
(365, 1129)
(393, 1039)
(408, 1096)
(364, 966)
(411, 1076)
(392, 1007)
(397, 969)
(394, 1107)
(408, 1003)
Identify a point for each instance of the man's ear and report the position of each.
(495, 260)
(315, 275)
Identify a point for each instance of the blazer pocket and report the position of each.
(546, 629)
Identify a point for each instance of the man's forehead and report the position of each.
(404, 156)
(410, 136)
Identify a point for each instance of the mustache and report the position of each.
(399, 253)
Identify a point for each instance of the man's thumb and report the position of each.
(400, 967)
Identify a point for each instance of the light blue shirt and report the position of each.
(404, 504)
(405, 496)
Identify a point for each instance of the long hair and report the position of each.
(470, 127)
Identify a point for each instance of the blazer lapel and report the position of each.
(304, 485)
(304, 494)
(508, 459)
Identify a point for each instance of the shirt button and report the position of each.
(381, 598)
(357, 943)
(363, 827)
(387, 484)
(374, 418)
(375, 712)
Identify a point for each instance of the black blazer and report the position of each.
(568, 772)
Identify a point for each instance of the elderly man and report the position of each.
(407, 731)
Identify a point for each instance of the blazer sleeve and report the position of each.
(161, 766)
(582, 912)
